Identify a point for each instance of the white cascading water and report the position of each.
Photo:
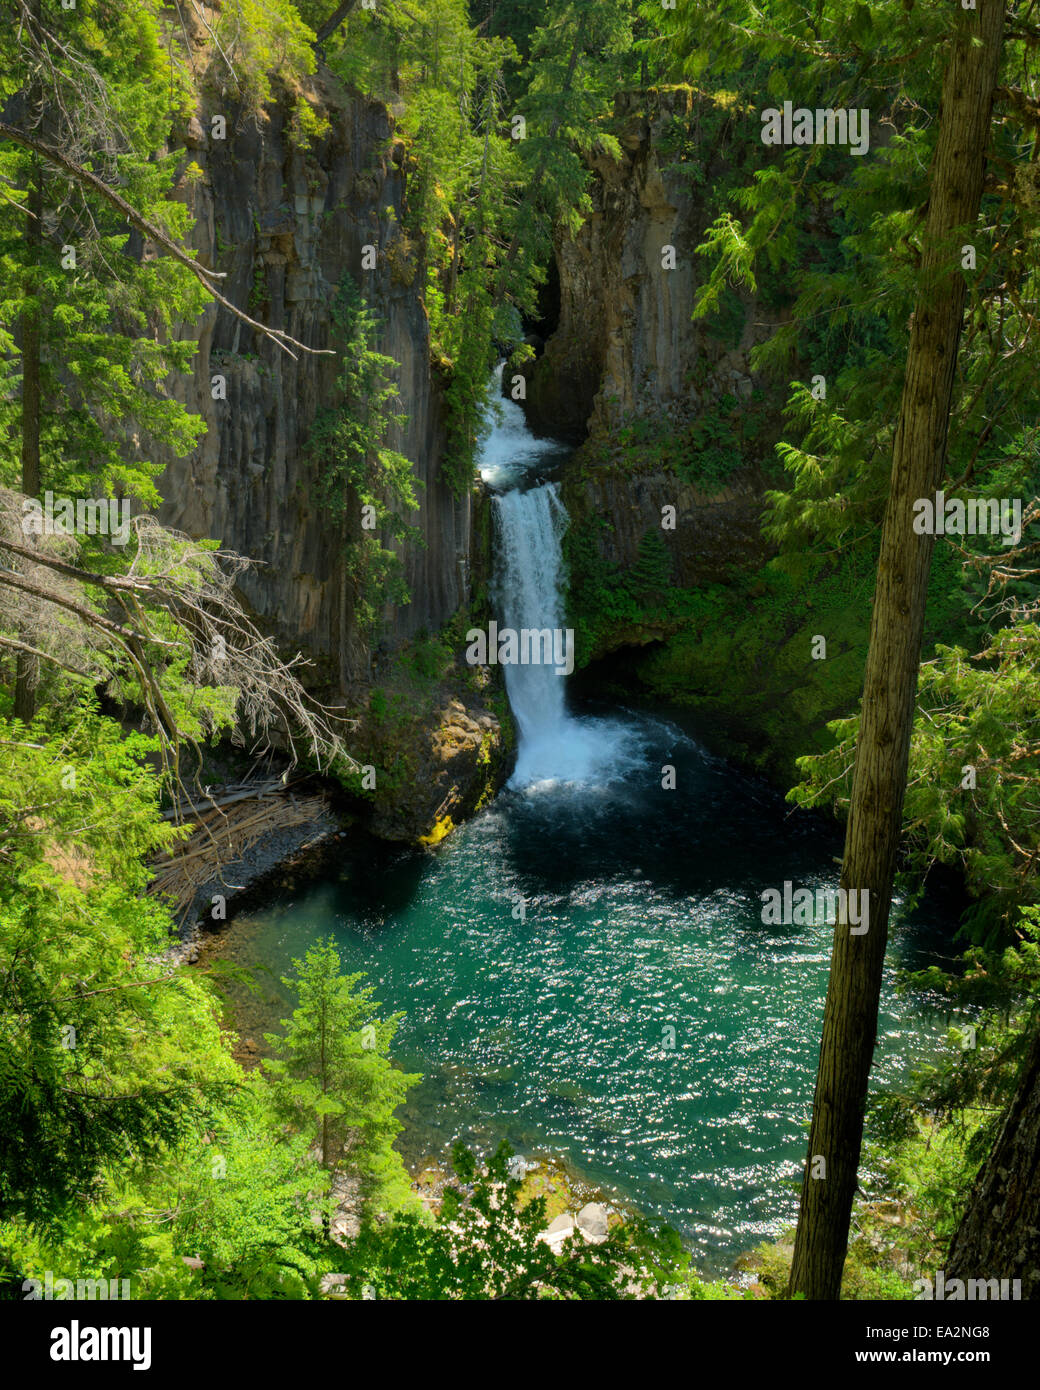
(529, 526)
(554, 747)
(510, 451)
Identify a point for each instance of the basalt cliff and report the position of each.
(285, 219)
(671, 593)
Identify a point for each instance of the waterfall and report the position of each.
(529, 585)
(511, 453)
(554, 747)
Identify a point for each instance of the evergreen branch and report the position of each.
(202, 273)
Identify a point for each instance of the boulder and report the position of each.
(592, 1222)
(558, 1230)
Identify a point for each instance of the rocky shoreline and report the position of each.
(572, 1206)
(279, 860)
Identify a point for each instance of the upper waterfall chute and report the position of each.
(511, 452)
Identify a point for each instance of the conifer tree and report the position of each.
(332, 1075)
(890, 684)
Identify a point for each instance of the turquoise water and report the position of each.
(543, 952)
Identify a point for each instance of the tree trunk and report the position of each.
(999, 1234)
(890, 683)
(334, 20)
(324, 1089)
(27, 670)
(31, 393)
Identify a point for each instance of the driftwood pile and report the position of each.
(225, 826)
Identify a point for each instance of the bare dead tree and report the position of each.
(177, 601)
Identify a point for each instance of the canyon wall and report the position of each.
(670, 592)
(285, 223)
(285, 219)
(667, 408)
(625, 345)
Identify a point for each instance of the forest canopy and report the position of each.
(886, 303)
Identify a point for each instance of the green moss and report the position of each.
(740, 650)
(745, 655)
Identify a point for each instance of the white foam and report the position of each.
(510, 450)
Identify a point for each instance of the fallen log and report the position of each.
(256, 790)
(180, 874)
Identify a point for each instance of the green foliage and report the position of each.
(93, 373)
(357, 470)
(604, 601)
(129, 1138)
(830, 249)
(94, 1243)
(832, 244)
(516, 20)
(348, 440)
(248, 1200)
(651, 575)
(332, 1076)
(977, 722)
(704, 451)
(128, 1135)
(115, 1078)
(482, 204)
(256, 41)
(243, 1199)
(926, 1141)
(484, 1245)
(739, 649)
(104, 1052)
(108, 323)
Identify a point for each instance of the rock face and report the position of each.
(625, 345)
(559, 1230)
(592, 1222)
(669, 594)
(285, 223)
(714, 530)
(441, 770)
(669, 410)
(286, 220)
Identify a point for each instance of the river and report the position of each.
(584, 967)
